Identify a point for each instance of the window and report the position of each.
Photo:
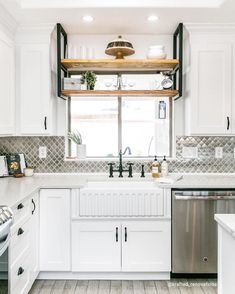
(134, 124)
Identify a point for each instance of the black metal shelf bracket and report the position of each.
(178, 54)
(62, 52)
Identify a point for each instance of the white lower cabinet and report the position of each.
(96, 246)
(130, 246)
(146, 246)
(55, 230)
(23, 249)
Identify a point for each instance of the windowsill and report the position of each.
(116, 159)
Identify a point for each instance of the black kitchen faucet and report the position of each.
(120, 168)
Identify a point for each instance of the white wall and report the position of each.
(140, 43)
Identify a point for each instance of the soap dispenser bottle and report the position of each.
(155, 168)
(164, 167)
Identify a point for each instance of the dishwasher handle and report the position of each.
(191, 197)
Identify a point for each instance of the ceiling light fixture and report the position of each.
(152, 18)
(88, 18)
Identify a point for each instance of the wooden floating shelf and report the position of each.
(120, 64)
(127, 93)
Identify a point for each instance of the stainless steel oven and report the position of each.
(6, 220)
(194, 230)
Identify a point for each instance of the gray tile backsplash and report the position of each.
(55, 162)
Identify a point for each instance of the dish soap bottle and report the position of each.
(164, 167)
(155, 168)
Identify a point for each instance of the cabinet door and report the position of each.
(211, 84)
(7, 86)
(34, 237)
(55, 230)
(34, 89)
(146, 246)
(96, 246)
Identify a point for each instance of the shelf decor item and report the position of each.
(120, 48)
(77, 139)
(89, 78)
(156, 52)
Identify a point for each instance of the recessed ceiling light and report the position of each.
(152, 18)
(88, 18)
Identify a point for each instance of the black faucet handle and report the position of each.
(111, 169)
(130, 169)
(142, 175)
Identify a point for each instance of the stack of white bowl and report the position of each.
(156, 52)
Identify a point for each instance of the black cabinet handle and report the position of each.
(20, 206)
(34, 206)
(228, 123)
(20, 271)
(142, 175)
(125, 234)
(116, 234)
(45, 123)
(20, 232)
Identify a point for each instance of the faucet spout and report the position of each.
(127, 149)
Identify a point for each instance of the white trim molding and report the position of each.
(210, 28)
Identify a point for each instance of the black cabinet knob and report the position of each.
(20, 232)
(20, 206)
(20, 271)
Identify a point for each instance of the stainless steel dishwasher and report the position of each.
(194, 230)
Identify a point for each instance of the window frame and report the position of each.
(119, 100)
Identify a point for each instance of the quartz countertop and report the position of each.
(227, 222)
(13, 190)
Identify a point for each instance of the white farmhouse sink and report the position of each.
(121, 184)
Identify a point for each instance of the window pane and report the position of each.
(97, 121)
(142, 130)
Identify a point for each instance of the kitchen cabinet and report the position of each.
(130, 246)
(55, 230)
(209, 92)
(36, 94)
(7, 85)
(34, 237)
(23, 249)
(211, 89)
(146, 246)
(34, 84)
(96, 246)
(226, 255)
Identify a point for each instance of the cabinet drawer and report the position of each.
(21, 213)
(20, 275)
(119, 203)
(20, 241)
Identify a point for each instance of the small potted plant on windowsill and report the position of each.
(77, 139)
(89, 78)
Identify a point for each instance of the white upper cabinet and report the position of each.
(211, 89)
(209, 93)
(36, 92)
(7, 85)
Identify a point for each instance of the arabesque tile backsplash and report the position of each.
(55, 163)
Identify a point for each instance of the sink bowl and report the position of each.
(121, 184)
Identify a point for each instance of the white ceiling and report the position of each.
(122, 16)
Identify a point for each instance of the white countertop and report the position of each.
(13, 191)
(227, 221)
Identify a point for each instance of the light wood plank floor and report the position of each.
(175, 286)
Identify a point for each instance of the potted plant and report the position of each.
(89, 78)
(76, 137)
